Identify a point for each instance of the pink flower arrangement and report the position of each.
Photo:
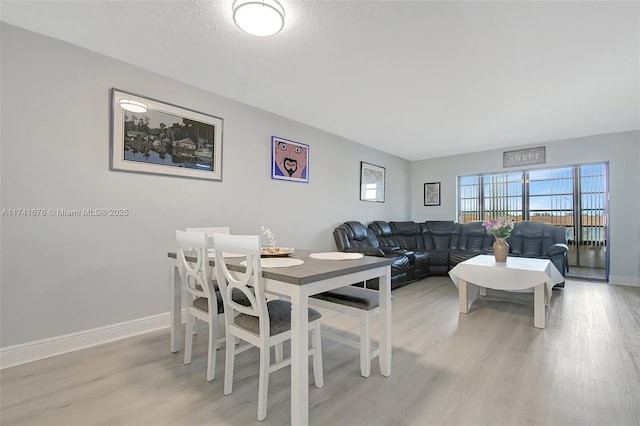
(500, 227)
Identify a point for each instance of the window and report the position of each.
(551, 196)
(491, 195)
(503, 195)
(469, 205)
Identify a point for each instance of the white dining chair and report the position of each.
(262, 324)
(205, 302)
(210, 230)
(361, 302)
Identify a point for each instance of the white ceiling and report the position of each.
(419, 79)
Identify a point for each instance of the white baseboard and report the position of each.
(45, 348)
(624, 280)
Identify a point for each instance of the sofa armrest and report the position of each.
(367, 251)
(342, 241)
(557, 249)
(392, 250)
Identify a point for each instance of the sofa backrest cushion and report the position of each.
(407, 234)
(383, 233)
(436, 234)
(534, 238)
(471, 236)
(406, 228)
(356, 230)
(357, 235)
(380, 228)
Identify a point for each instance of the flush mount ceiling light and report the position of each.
(258, 17)
(133, 106)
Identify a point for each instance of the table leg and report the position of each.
(299, 359)
(176, 308)
(463, 296)
(539, 312)
(483, 291)
(385, 323)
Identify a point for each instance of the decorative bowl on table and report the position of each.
(276, 251)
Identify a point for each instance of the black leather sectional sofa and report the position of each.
(434, 247)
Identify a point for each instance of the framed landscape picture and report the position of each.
(289, 160)
(372, 179)
(432, 194)
(149, 136)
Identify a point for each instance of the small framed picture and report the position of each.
(372, 182)
(289, 160)
(432, 194)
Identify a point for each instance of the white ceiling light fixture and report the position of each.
(132, 106)
(261, 18)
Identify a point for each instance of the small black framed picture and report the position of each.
(372, 181)
(432, 194)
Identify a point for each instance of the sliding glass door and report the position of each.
(574, 197)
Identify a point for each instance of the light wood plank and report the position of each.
(489, 367)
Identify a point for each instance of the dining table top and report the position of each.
(312, 270)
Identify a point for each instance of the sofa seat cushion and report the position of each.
(400, 264)
(421, 262)
(421, 256)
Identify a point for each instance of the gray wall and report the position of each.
(67, 274)
(621, 150)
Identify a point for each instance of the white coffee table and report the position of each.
(518, 274)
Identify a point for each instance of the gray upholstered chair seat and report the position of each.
(279, 318)
(202, 303)
(215, 286)
(351, 296)
(238, 297)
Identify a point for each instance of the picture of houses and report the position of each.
(160, 138)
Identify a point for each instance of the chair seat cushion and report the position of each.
(355, 297)
(202, 304)
(279, 318)
(238, 297)
(215, 286)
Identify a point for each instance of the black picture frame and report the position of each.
(432, 194)
(372, 182)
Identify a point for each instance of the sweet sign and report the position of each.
(523, 157)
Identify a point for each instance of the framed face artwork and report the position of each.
(289, 160)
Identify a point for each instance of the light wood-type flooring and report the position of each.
(489, 367)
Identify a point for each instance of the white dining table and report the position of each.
(298, 283)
